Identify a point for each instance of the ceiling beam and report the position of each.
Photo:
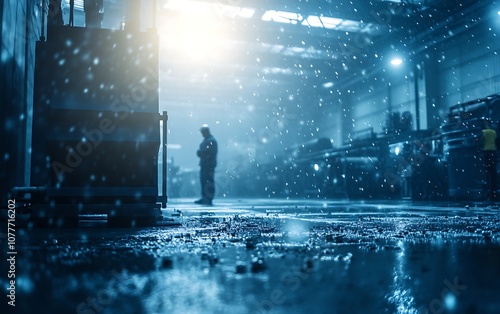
(374, 11)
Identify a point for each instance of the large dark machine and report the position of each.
(392, 165)
(96, 127)
(400, 163)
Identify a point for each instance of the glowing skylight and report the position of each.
(303, 52)
(322, 21)
(282, 17)
(219, 9)
(315, 21)
(196, 32)
(246, 12)
(275, 70)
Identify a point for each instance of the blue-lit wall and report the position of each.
(21, 27)
(458, 69)
(470, 66)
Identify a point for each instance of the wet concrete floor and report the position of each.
(267, 256)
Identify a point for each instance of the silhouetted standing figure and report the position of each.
(94, 11)
(489, 137)
(208, 161)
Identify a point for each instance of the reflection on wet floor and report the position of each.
(243, 256)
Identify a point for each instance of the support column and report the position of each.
(133, 18)
(433, 91)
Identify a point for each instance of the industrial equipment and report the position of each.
(462, 145)
(96, 127)
(399, 163)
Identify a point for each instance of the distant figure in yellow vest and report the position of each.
(489, 137)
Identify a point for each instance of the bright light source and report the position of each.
(450, 301)
(396, 61)
(198, 31)
(246, 12)
(316, 167)
(196, 37)
(498, 12)
(328, 85)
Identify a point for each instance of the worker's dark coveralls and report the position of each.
(208, 161)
